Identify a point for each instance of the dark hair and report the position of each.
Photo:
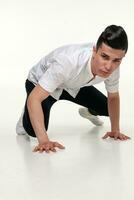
(113, 36)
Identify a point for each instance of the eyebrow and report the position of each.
(109, 56)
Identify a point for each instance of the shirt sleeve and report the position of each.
(112, 82)
(53, 77)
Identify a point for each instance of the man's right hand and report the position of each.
(48, 146)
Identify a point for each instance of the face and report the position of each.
(105, 60)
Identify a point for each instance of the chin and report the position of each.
(104, 75)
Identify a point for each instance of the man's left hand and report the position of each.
(116, 135)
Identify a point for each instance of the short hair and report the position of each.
(113, 36)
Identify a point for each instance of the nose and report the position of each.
(108, 65)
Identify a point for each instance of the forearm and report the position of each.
(114, 112)
(37, 119)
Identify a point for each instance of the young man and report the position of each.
(69, 73)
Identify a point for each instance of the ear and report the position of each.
(94, 49)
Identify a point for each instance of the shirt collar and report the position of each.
(89, 68)
(90, 74)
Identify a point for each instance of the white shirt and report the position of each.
(69, 68)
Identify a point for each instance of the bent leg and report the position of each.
(94, 100)
(89, 97)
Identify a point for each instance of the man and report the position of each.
(69, 73)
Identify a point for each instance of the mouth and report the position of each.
(104, 73)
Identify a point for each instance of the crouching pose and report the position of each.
(69, 73)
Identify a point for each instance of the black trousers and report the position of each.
(89, 96)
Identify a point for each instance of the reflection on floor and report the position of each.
(88, 168)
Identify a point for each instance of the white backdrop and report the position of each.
(29, 29)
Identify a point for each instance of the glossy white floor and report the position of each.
(89, 167)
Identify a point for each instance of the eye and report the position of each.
(117, 61)
(105, 57)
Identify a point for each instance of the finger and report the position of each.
(47, 151)
(129, 138)
(53, 149)
(56, 144)
(105, 136)
(122, 137)
(126, 137)
(117, 136)
(47, 148)
(36, 149)
(41, 149)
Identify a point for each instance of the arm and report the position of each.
(114, 114)
(34, 108)
(36, 115)
(114, 110)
